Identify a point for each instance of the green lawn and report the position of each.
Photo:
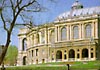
(90, 65)
(38, 68)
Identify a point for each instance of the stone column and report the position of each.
(40, 36)
(68, 32)
(71, 32)
(80, 31)
(89, 50)
(94, 52)
(75, 54)
(31, 41)
(55, 54)
(56, 33)
(96, 30)
(83, 34)
(62, 55)
(46, 36)
(20, 44)
(68, 54)
(34, 39)
(28, 42)
(80, 54)
(93, 33)
(89, 53)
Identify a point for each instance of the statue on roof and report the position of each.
(76, 5)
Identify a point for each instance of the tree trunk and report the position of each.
(4, 49)
(3, 54)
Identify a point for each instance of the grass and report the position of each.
(90, 65)
(38, 68)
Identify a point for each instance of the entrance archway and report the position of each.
(71, 53)
(85, 53)
(24, 60)
(59, 55)
(36, 61)
(43, 60)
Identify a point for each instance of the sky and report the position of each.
(53, 9)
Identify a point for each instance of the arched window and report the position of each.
(59, 55)
(37, 39)
(24, 44)
(85, 53)
(75, 32)
(71, 53)
(42, 37)
(88, 31)
(63, 33)
(52, 36)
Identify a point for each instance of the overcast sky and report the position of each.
(54, 9)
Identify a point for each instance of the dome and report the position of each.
(77, 5)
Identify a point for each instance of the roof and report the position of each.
(79, 12)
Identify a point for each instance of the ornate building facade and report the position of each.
(73, 36)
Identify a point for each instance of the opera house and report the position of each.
(73, 36)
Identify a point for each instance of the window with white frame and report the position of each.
(63, 33)
(37, 39)
(88, 31)
(42, 37)
(75, 32)
(52, 36)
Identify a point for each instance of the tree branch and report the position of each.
(4, 22)
(13, 8)
(30, 3)
(18, 3)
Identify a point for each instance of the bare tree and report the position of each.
(10, 11)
